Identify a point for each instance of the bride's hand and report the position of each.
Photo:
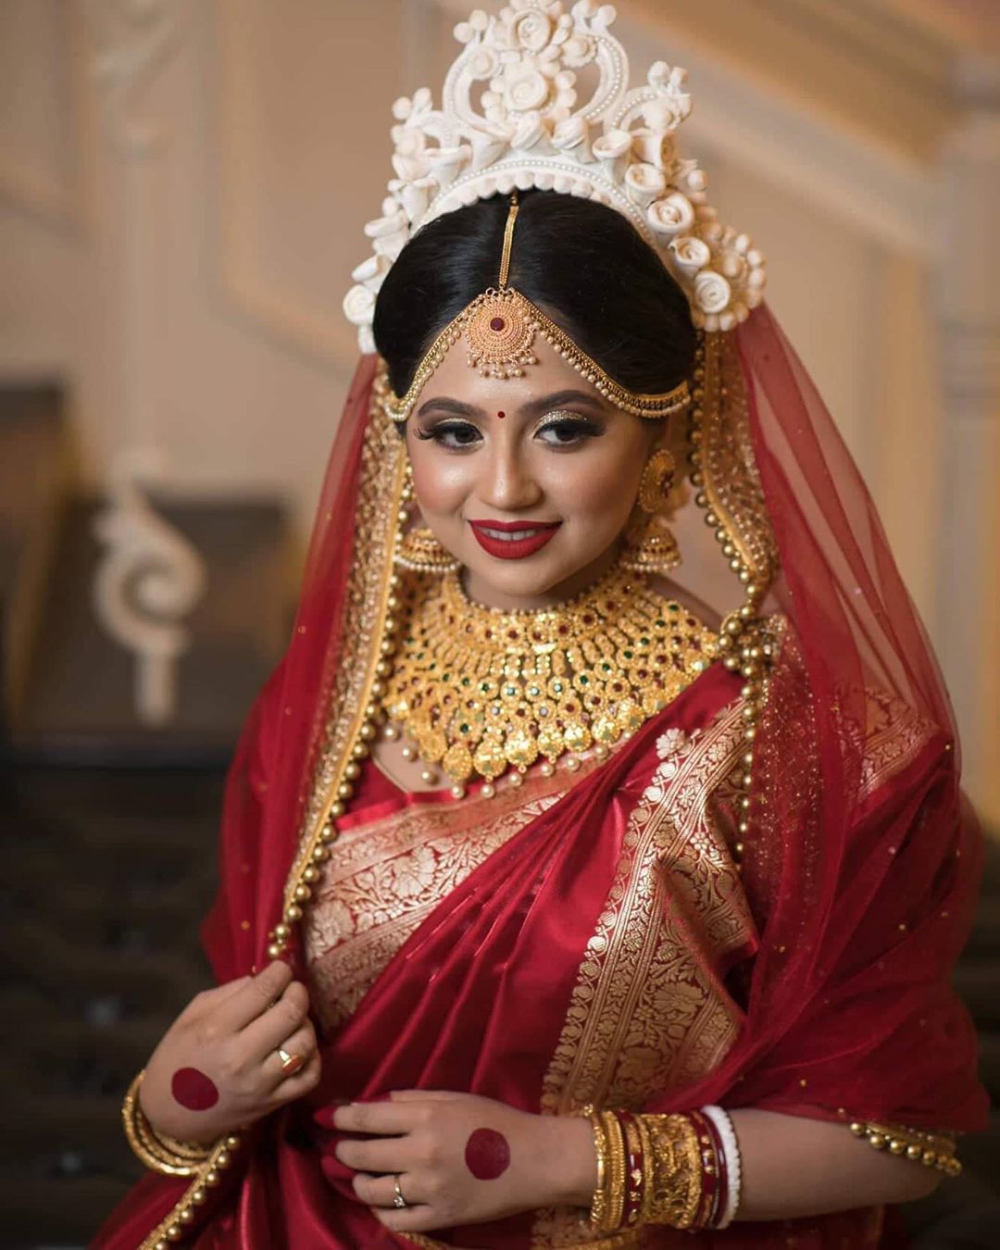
(461, 1159)
(217, 1067)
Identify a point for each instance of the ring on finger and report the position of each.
(290, 1064)
(399, 1201)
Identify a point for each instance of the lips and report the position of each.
(513, 540)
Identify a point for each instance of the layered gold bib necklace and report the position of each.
(481, 690)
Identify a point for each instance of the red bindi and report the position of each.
(193, 1089)
(501, 415)
(487, 1154)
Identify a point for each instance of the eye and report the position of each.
(454, 434)
(568, 429)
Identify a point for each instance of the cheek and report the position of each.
(441, 484)
(598, 491)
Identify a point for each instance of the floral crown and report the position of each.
(529, 129)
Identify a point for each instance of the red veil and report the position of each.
(861, 862)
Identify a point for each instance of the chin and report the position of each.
(528, 578)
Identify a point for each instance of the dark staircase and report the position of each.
(107, 853)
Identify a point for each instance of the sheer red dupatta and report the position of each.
(862, 861)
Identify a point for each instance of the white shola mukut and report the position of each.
(526, 130)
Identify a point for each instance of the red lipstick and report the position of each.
(525, 537)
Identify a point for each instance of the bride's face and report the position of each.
(528, 482)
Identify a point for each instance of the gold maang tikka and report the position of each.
(500, 328)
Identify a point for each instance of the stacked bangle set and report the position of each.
(678, 1170)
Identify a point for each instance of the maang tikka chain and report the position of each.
(501, 327)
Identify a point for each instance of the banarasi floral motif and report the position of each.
(385, 877)
(649, 1010)
(514, 115)
(895, 736)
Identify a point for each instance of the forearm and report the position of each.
(792, 1166)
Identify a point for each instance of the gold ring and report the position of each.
(290, 1064)
(399, 1201)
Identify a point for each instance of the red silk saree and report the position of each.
(598, 943)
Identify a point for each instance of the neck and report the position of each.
(481, 591)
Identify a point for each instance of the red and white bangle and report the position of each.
(733, 1171)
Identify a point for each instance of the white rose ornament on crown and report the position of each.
(511, 117)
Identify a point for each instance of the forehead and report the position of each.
(455, 378)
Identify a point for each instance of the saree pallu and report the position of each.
(608, 951)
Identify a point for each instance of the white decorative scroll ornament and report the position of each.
(150, 577)
(511, 117)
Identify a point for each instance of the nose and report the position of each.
(508, 484)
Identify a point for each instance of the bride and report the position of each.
(567, 899)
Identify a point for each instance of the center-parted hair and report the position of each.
(579, 261)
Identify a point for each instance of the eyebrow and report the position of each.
(459, 408)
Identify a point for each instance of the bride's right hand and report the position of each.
(224, 1047)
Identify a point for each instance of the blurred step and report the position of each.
(54, 1204)
(58, 800)
(75, 1060)
(85, 972)
(43, 1127)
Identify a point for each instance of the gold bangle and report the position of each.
(616, 1168)
(674, 1180)
(162, 1154)
(599, 1202)
(933, 1150)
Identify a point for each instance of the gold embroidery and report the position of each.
(895, 736)
(642, 1015)
(384, 878)
(649, 1011)
(348, 688)
(727, 477)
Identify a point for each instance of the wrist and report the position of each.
(187, 1128)
(567, 1160)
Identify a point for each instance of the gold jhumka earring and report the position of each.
(417, 549)
(650, 546)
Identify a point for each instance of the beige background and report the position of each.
(183, 185)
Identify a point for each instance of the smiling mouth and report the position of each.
(513, 540)
(512, 536)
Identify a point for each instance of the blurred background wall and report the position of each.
(183, 187)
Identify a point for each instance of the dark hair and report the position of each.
(581, 262)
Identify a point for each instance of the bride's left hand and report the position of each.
(461, 1159)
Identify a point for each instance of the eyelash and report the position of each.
(581, 427)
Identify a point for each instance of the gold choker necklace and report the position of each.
(480, 690)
